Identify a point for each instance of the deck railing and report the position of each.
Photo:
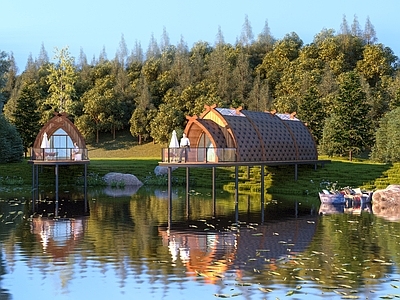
(49, 154)
(198, 154)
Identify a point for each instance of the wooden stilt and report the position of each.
(237, 193)
(56, 200)
(85, 190)
(33, 188)
(169, 198)
(262, 194)
(187, 193)
(214, 190)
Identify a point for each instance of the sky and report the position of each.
(92, 26)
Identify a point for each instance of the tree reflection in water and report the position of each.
(124, 249)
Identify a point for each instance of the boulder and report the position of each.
(386, 203)
(162, 170)
(120, 178)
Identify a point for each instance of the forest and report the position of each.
(344, 85)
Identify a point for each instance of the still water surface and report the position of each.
(126, 249)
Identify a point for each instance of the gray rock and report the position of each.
(386, 203)
(162, 170)
(120, 178)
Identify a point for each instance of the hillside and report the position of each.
(124, 146)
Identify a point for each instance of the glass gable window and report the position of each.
(61, 142)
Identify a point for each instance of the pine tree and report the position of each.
(11, 149)
(349, 129)
(26, 115)
(247, 36)
(369, 33)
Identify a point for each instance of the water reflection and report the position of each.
(207, 255)
(243, 246)
(125, 250)
(127, 191)
(58, 237)
(354, 207)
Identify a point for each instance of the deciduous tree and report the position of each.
(62, 77)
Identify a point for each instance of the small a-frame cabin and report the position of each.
(56, 139)
(59, 143)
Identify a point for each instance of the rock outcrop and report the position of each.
(120, 179)
(386, 203)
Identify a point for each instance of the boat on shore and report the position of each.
(346, 196)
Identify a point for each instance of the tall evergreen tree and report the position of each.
(43, 56)
(241, 79)
(311, 112)
(265, 37)
(136, 54)
(349, 128)
(122, 52)
(26, 114)
(103, 56)
(219, 39)
(11, 149)
(344, 26)
(355, 27)
(369, 33)
(247, 36)
(153, 50)
(165, 42)
(10, 77)
(259, 97)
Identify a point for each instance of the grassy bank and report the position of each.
(126, 156)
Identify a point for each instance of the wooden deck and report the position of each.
(242, 163)
(59, 162)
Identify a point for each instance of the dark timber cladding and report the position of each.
(222, 137)
(59, 143)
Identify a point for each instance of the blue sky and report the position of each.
(92, 25)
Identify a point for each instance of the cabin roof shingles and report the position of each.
(260, 136)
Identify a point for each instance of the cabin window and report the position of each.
(61, 142)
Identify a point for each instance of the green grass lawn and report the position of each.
(126, 156)
(124, 146)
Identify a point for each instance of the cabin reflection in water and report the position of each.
(355, 207)
(58, 237)
(246, 247)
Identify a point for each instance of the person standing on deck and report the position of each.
(75, 151)
(185, 145)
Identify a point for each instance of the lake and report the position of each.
(128, 248)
